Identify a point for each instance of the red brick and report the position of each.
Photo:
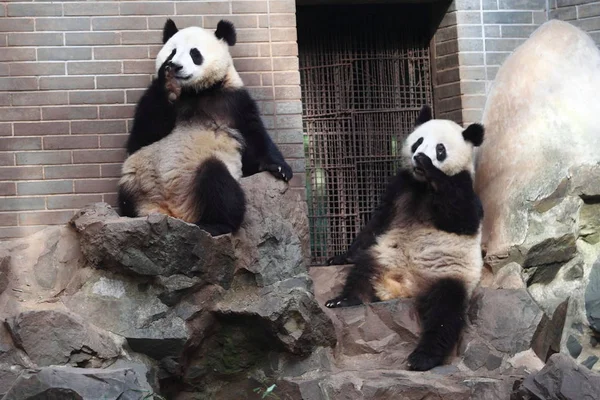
(64, 54)
(113, 141)
(11, 232)
(244, 50)
(5, 98)
(288, 6)
(133, 96)
(22, 203)
(250, 78)
(43, 158)
(141, 37)
(72, 202)
(118, 23)
(252, 35)
(284, 35)
(91, 8)
(6, 129)
(287, 92)
(39, 98)
(4, 69)
(98, 127)
(120, 53)
(7, 158)
(66, 82)
(20, 173)
(181, 22)
(93, 67)
(261, 93)
(249, 7)
(147, 8)
(8, 219)
(45, 218)
(285, 64)
(240, 21)
(112, 199)
(98, 156)
(72, 171)
(16, 25)
(69, 113)
(92, 38)
(17, 54)
(41, 128)
(10, 143)
(111, 170)
(34, 10)
(36, 69)
(35, 39)
(201, 8)
(278, 21)
(97, 97)
(252, 64)
(19, 114)
(17, 84)
(123, 81)
(45, 187)
(96, 185)
(284, 49)
(113, 112)
(62, 24)
(70, 142)
(8, 188)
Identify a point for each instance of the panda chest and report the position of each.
(207, 111)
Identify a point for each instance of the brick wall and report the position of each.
(584, 14)
(71, 73)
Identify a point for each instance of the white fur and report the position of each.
(217, 63)
(459, 152)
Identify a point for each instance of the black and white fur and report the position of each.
(424, 239)
(196, 132)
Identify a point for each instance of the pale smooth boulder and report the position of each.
(542, 118)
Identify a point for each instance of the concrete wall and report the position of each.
(71, 73)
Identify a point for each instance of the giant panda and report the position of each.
(424, 239)
(196, 132)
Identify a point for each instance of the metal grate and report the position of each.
(365, 73)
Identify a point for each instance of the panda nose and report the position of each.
(175, 67)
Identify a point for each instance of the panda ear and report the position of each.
(226, 30)
(424, 115)
(474, 134)
(169, 30)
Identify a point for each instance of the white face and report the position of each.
(443, 142)
(205, 60)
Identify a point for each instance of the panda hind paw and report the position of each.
(341, 301)
(282, 172)
(419, 360)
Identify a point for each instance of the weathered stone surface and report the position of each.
(562, 379)
(509, 277)
(64, 383)
(537, 130)
(592, 297)
(273, 241)
(505, 318)
(53, 337)
(546, 341)
(4, 270)
(155, 245)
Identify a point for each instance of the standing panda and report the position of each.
(196, 132)
(424, 239)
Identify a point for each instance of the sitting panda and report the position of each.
(196, 132)
(424, 239)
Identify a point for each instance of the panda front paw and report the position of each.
(280, 171)
(420, 360)
(342, 301)
(340, 259)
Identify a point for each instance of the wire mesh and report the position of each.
(365, 73)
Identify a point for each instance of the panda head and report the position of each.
(199, 57)
(444, 142)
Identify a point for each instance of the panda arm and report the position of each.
(154, 116)
(261, 154)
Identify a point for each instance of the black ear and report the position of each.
(226, 30)
(474, 134)
(169, 30)
(424, 115)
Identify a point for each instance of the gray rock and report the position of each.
(4, 270)
(476, 355)
(507, 331)
(175, 287)
(52, 337)
(592, 297)
(590, 362)
(65, 383)
(155, 245)
(547, 338)
(560, 379)
(574, 346)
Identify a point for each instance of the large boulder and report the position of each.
(537, 174)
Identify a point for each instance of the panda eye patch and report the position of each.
(416, 145)
(196, 56)
(440, 150)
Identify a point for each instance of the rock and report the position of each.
(592, 297)
(548, 336)
(154, 245)
(150, 326)
(65, 383)
(329, 281)
(526, 359)
(509, 277)
(52, 337)
(4, 270)
(541, 122)
(273, 241)
(560, 379)
(508, 332)
(476, 355)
